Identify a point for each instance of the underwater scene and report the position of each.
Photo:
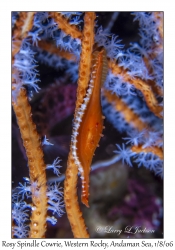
(87, 125)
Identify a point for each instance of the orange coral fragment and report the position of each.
(128, 114)
(51, 48)
(71, 200)
(22, 26)
(139, 84)
(86, 57)
(64, 25)
(70, 189)
(32, 144)
(155, 150)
